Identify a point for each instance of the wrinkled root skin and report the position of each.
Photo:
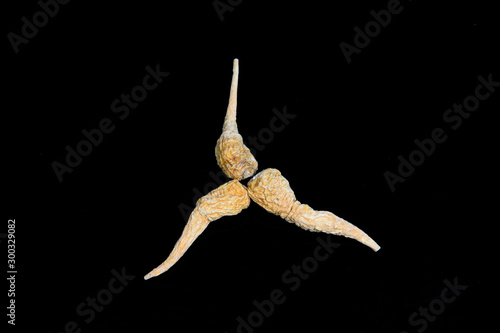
(234, 158)
(272, 191)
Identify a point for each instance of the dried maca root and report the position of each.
(233, 157)
(272, 191)
(228, 199)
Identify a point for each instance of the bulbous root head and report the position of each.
(233, 157)
(272, 191)
(228, 199)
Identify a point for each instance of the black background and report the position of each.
(120, 207)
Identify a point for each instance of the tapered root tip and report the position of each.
(351, 231)
(366, 240)
(375, 247)
(155, 272)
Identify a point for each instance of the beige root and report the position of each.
(233, 157)
(268, 188)
(228, 199)
(272, 191)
